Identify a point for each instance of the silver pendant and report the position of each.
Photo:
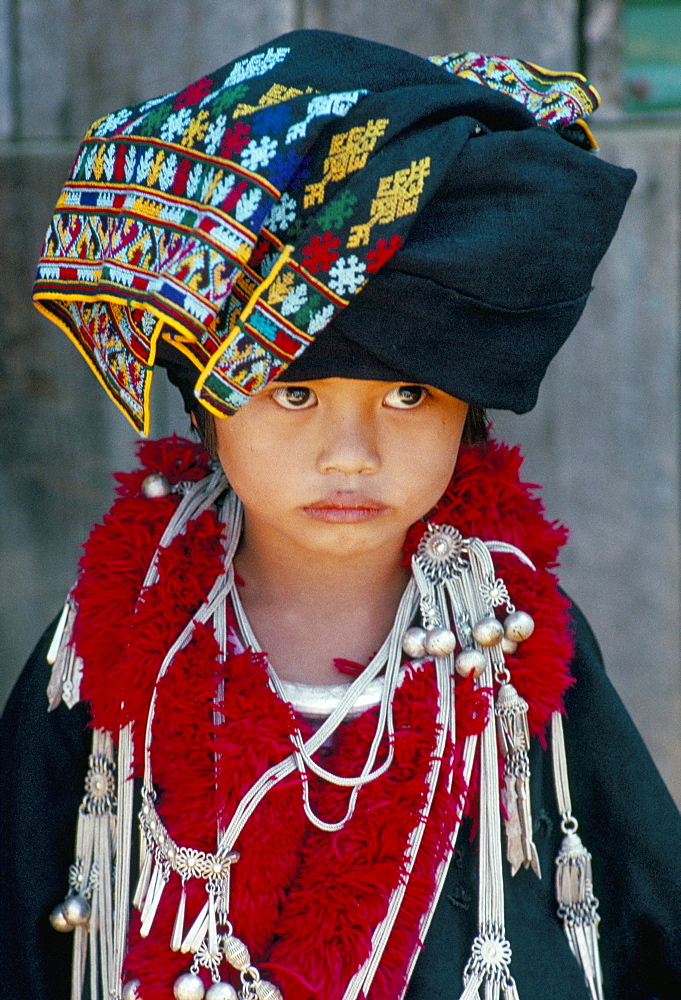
(578, 907)
(514, 742)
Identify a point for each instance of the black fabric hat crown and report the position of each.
(329, 206)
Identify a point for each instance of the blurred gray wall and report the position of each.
(604, 439)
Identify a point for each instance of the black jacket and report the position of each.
(626, 819)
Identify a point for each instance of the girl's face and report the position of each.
(337, 466)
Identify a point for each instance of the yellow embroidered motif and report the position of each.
(397, 195)
(196, 129)
(280, 288)
(98, 164)
(155, 168)
(277, 94)
(348, 152)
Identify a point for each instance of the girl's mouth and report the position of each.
(348, 508)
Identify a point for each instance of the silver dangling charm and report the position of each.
(514, 742)
(578, 907)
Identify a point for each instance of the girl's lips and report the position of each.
(349, 509)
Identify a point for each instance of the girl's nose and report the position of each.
(349, 445)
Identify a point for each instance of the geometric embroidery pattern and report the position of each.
(348, 152)
(186, 212)
(554, 99)
(396, 196)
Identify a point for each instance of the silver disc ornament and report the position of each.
(442, 552)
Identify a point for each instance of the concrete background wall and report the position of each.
(604, 438)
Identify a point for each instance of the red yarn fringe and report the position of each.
(305, 901)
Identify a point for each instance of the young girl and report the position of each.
(321, 644)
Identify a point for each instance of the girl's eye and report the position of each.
(294, 397)
(405, 397)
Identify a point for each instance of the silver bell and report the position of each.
(470, 661)
(488, 631)
(129, 991)
(413, 643)
(508, 646)
(155, 485)
(76, 910)
(59, 921)
(221, 991)
(440, 642)
(518, 626)
(189, 987)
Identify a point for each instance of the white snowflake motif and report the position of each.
(247, 204)
(109, 158)
(320, 319)
(282, 213)
(347, 274)
(257, 65)
(112, 122)
(324, 104)
(295, 299)
(216, 131)
(194, 179)
(176, 124)
(166, 174)
(144, 165)
(258, 154)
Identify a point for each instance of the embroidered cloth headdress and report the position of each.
(326, 178)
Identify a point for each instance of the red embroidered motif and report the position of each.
(193, 94)
(320, 252)
(383, 252)
(235, 139)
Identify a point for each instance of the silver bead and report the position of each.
(267, 991)
(412, 643)
(222, 991)
(518, 626)
(508, 646)
(59, 921)
(470, 661)
(155, 485)
(189, 987)
(488, 631)
(76, 910)
(236, 953)
(440, 642)
(129, 991)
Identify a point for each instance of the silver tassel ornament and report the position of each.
(578, 908)
(514, 741)
(67, 666)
